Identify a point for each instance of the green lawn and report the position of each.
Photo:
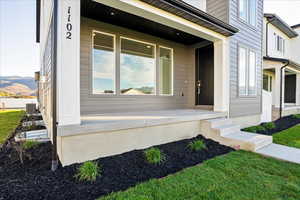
(238, 175)
(9, 120)
(289, 137)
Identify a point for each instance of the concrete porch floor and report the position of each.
(127, 120)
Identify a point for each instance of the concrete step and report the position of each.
(249, 141)
(281, 152)
(219, 122)
(227, 129)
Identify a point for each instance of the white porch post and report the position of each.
(298, 88)
(277, 86)
(68, 63)
(221, 75)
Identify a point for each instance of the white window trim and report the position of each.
(155, 67)
(270, 88)
(172, 71)
(115, 64)
(280, 41)
(248, 11)
(248, 50)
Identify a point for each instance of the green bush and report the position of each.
(197, 145)
(30, 144)
(269, 125)
(254, 129)
(88, 171)
(154, 156)
(296, 116)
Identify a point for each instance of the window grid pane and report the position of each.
(252, 12)
(165, 71)
(242, 71)
(243, 11)
(103, 63)
(252, 73)
(137, 68)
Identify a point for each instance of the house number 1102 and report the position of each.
(69, 25)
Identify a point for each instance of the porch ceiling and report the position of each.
(100, 12)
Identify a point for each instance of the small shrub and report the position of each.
(88, 171)
(197, 145)
(154, 156)
(269, 125)
(296, 116)
(254, 129)
(29, 144)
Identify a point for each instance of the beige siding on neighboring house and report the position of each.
(183, 75)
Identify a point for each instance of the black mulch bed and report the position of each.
(281, 124)
(34, 180)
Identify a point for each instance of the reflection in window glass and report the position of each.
(165, 71)
(103, 63)
(243, 9)
(265, 82)
(137, 68)
(252, 72)
(270, 84)
(242, 71)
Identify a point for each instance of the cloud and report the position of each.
(137, 71)
(104, 64)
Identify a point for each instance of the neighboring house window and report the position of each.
(280, 44)
(137, 67)
(247, 72)
(103, 63)
(247, 11)
(165, 71)
(267, 82)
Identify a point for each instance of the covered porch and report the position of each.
(116, 133)
(282, 79)
(143, 77)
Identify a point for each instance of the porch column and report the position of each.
(68, 62)
(277, 86)
(221, 75)
(298, 88)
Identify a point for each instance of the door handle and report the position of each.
(198, 86)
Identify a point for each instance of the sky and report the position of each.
(19, 54)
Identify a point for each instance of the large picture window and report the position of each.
(103, 63)
(247, 72)
(247, 11)
(137, 68)
(165, 71)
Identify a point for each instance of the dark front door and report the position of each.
(290, 89)
(205, 75)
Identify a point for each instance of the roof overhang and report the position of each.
(281, 25)
(38, 20)
(284, 61)
(186, 11)
(168, 14)
(295, 26)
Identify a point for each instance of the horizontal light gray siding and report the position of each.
(183, 75)
(218, 9)
(252, 38)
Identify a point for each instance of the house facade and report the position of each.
(129, 74)
(281, 44)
